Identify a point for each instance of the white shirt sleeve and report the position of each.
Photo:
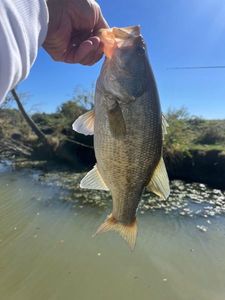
(23, 28)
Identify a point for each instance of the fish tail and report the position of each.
(127, 231)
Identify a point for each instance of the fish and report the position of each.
(128, 128)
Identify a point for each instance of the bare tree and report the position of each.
(41, 136)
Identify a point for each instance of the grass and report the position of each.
(187, 132)
(207, 147)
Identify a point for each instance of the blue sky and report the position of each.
(177, 33)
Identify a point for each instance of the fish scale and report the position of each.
(126, 169)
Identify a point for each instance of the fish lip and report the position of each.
(115, 37)
(133, 30)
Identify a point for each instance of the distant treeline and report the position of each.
(184, 132)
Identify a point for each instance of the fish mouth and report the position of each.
(113, 38)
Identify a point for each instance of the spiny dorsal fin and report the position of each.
(93, 181)
(116, 121)
(85, 123)
(164, 125)
(159, 183)
(127, 232)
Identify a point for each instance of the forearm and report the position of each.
(23, 28)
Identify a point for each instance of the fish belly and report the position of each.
(126, 164)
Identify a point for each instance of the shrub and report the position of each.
(179, 134)
(211, 136)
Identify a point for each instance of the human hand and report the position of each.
(73, 25)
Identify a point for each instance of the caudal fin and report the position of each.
(127, 232)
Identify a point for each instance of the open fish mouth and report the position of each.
(113, 38)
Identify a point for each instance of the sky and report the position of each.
(177, 33)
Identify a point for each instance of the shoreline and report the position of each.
(200, 166)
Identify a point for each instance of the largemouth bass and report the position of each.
(128, 129)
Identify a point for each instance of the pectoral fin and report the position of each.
(93, 181)
(159, 183)
(116, 121)
(85, 123)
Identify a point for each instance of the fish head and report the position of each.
(124, 71)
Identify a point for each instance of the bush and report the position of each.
(179, 134)
(211, 136)
(70, 110)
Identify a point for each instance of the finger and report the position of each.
(88, 47)
(98, 56)
(92, 59)
(86, 51)
(102, 23)
(56, 53)
(57, 46)
(76, 54)
(93, 56)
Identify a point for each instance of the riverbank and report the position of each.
(200, 166)
(205, 166)
(194, 149)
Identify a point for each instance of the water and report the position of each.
(47, 250)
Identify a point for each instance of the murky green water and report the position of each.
(47, 252)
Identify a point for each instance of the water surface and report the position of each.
(47, 250)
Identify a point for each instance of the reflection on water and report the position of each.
(47, 252)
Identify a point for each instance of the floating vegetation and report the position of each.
(186, 199)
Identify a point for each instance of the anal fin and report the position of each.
(85, 123)
(93, 181)
(159, 183)
(127, 231)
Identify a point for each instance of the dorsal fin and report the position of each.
(164, 125)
